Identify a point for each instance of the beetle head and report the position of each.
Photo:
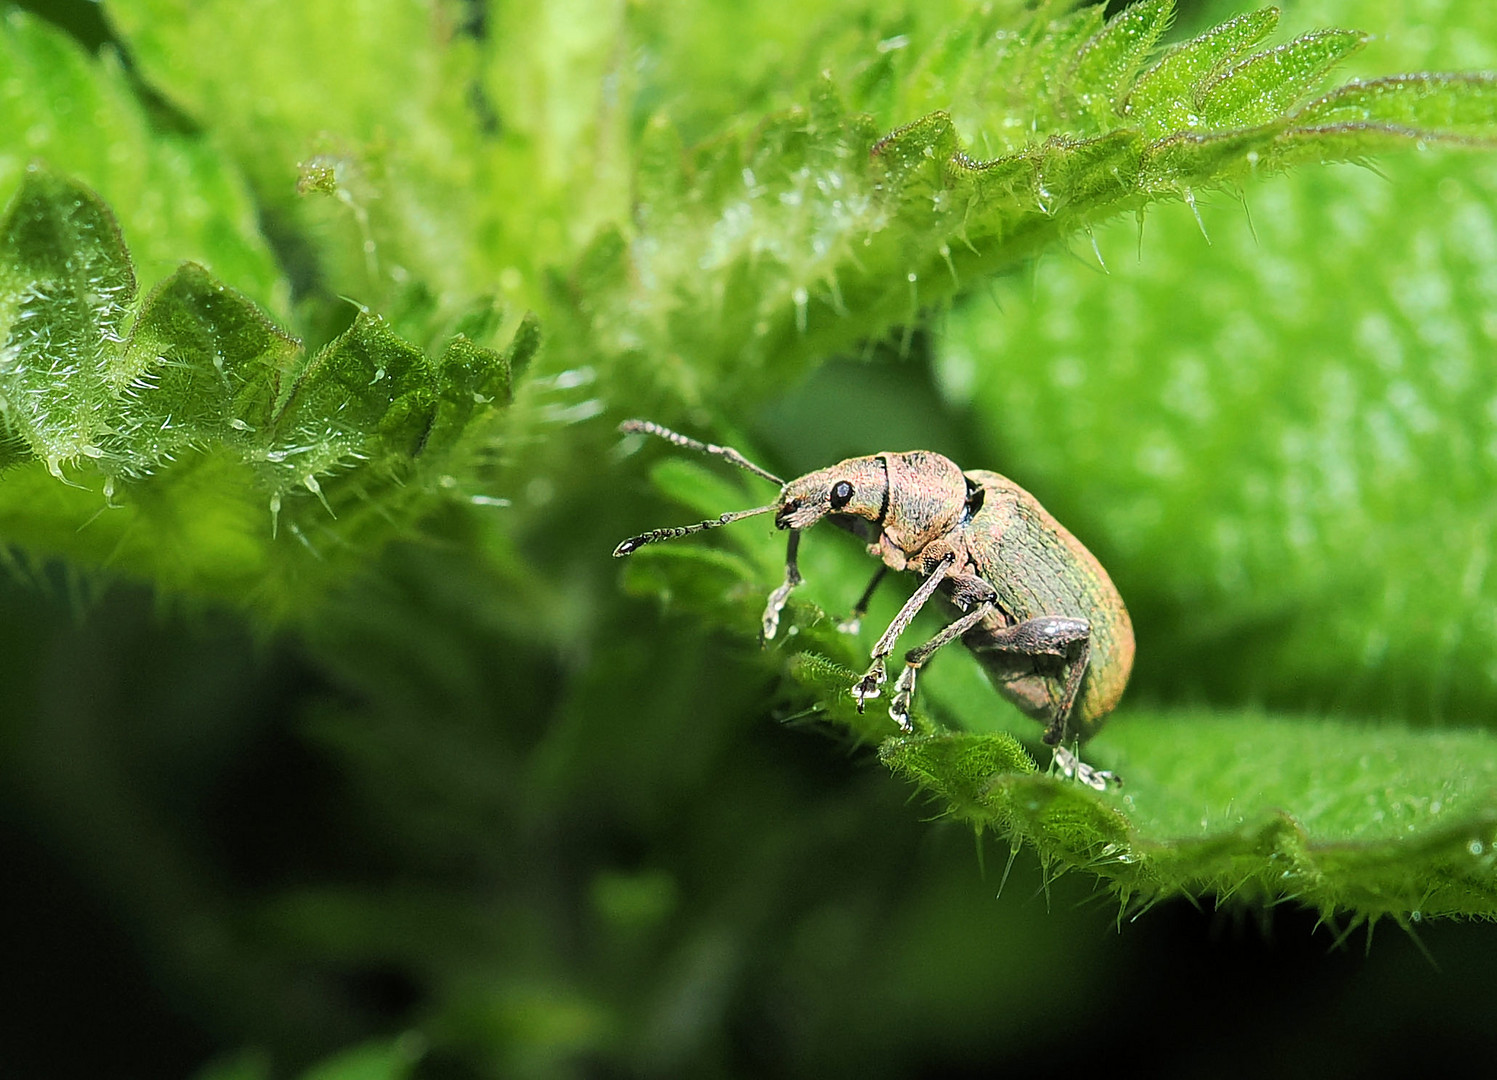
(912, 497)
(857, 487)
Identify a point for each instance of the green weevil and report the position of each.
(1035, 606)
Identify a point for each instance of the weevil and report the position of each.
(1033, 605)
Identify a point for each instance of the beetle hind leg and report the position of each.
(1038, 647)
(1078, 657)
(1065, 643)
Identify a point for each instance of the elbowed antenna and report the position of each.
(649, 427)
(634, 543)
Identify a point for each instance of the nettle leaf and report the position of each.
(1357, 822)
(176, 196)
(783, 239)
(413, 187)
(1259, 89)
(765, 249)
(65, 290)
(1461, 106)
(187, 437)
(1164, 96)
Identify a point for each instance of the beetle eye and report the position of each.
(841, 495)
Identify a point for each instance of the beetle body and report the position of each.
(926, 509)
(1039, 568)
(1035, 606)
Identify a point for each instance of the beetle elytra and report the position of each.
(1034, 606)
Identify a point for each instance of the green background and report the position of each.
(474, 803)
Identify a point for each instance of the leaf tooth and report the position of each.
(1434, 105)
(1163, 97)
(1107, 63)
(1262, 87)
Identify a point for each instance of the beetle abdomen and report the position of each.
(1039, 568)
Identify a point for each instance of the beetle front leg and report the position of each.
(780, 595)
(875, 676)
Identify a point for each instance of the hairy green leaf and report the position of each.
(814, 231)
(938, 147)
(1165, 95)
(1259, 89)
(176, 197)
(1358, 820)
(190, 434)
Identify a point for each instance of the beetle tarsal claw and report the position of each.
(773, 608)
(904, 694)
(1073, 768)
(851, 625)
(867, 686)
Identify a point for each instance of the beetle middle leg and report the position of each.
(875, 676)
(854, 622)
(914, 660)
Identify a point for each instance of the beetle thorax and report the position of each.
(927, 493)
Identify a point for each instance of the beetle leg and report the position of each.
(874, 677)
(1072, 766)
(914, 660)
(1081, 658)
(1068, 639)
(854, 622)
(779, 596)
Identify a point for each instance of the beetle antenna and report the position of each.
(634, 543)
(649, 427)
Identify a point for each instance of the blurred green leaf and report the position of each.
(1292, 476)
(392, 1059)
(246, 1065)
(393, 186)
